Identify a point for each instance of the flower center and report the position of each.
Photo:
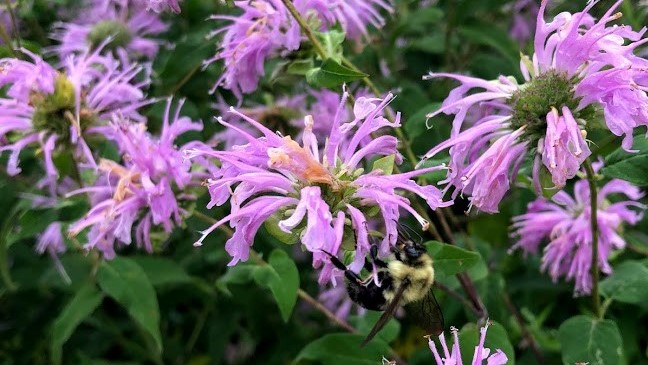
(54, 112)
(104, 29)
(534, 100)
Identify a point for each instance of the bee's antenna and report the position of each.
(407, 232)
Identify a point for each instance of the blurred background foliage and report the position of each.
(183, 305)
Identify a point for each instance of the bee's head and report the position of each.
(407, 248)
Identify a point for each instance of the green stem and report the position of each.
(591, 179)
(7, 40)
(305, 28)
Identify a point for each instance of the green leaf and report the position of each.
(415, 124)
(365, 323)
(344, 348)
(239, 274)
(628, 283)
(384, 164)
(162, 271)
(85, 301)
(496, 338)
(590, 340)
(332, 74)
(451, 260)
(493, 37)
(632, 167)
(282, 277)
(332, 42)
(124, 280)
(300, 67)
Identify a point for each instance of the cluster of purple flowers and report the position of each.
(313, 188)
(57, 109)
(565, 222)
(266, 29)
(145, 187)
(581, 69)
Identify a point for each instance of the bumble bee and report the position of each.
(406, 280)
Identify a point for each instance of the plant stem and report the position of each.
(591, 179)
(305, 28)
(525, 331)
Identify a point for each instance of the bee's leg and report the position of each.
(373, 252)
(350, 275)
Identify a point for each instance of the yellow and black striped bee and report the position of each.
(405, 280)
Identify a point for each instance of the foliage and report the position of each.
(182, 304)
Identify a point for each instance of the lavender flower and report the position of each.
(56, 109)
(453, 355)
(581, 69)
(52, 242)
(266, 29)
(142, 189)
(314, 190)
(127, 25)
(565, 222)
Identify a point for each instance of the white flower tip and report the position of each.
(197, 244)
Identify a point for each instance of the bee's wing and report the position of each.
(427, 314)
(388, 313)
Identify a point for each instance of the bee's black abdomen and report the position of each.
(369, 296)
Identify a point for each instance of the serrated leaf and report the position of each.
(124, 280)
(162, 271)
(384, 164)
(282, 277)
(451, 260)
(332, 74)
(344, 348)
(84, 302)
(628, 283)
(590, 340)
(496, 338)
(632, 167)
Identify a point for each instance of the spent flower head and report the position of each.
(565, 223)
(144, 188)
(316, 192)
(582, 70)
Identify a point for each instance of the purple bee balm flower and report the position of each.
(143, 189)
(565, 223)
(581, 70)
(128, 26)
(266, 29)
(52, 242)
(310, 190)
(452, 356)
(56, 108)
